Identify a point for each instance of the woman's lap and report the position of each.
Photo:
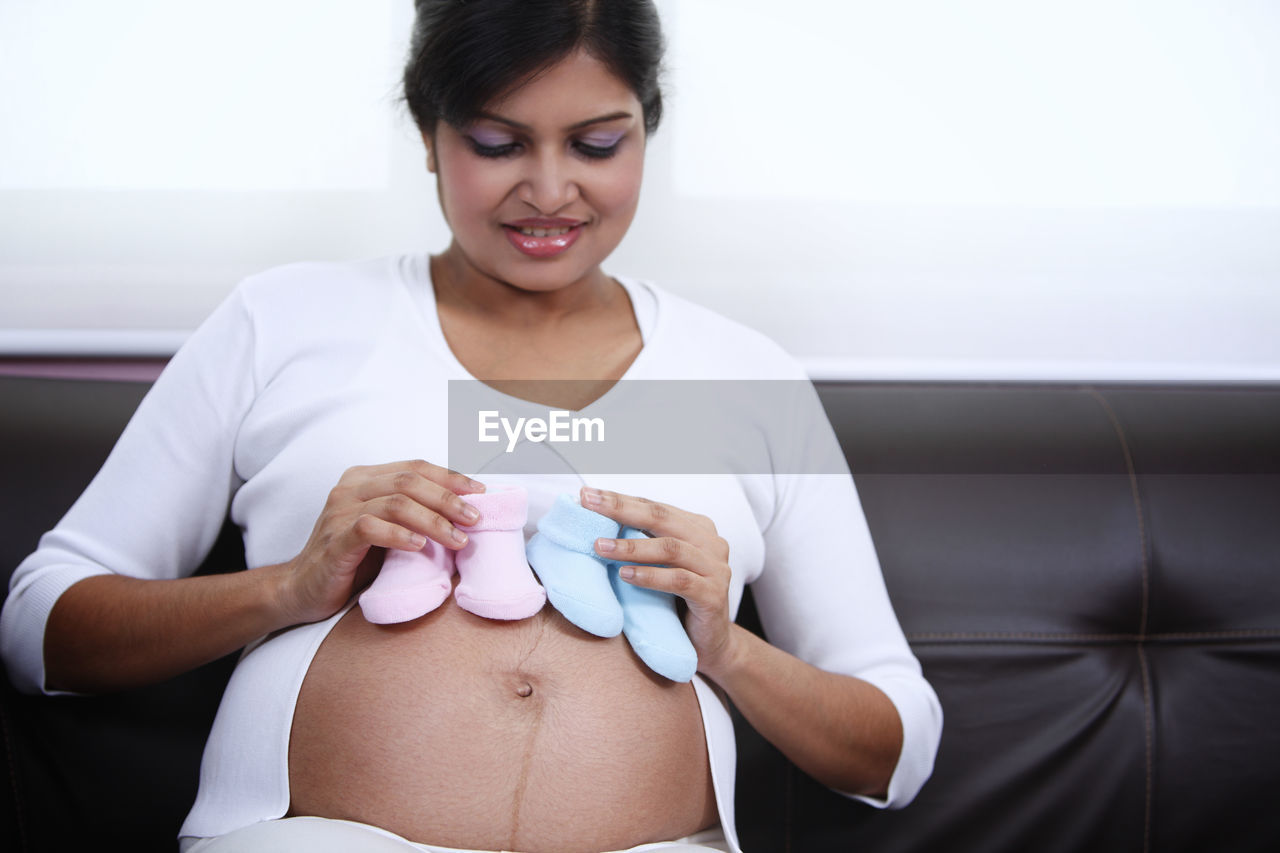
(321, 835)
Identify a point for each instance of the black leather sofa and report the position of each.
(1090, 576)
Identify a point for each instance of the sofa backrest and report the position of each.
(1088, 575)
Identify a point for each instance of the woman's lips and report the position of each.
(543, 238)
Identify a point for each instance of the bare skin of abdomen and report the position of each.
(467, 732)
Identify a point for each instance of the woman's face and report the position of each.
(543, 186)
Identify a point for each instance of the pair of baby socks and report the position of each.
(588, 591)
(495, 581)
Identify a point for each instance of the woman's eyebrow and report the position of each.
(575, 126)
(600, 119)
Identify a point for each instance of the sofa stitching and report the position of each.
(1149, 737)
(1137, 503)
(1143, 545)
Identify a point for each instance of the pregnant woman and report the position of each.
(304, 407)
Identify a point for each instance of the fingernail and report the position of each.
(592, 497)
(459, 536)
(417, 540)
(471, 514)
(476, 485)
(606, 546)
(627, 572)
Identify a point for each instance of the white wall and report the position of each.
(1083, 189)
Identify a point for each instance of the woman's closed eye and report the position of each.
(594, 147)
(598, 146)
(492, 146)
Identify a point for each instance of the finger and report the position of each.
(657, 551)
(677, 581)
(454, 481)
(369, 530)
(644, 514)
(447, 478)
(414, 485)
(404, 511)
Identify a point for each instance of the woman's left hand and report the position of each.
(686, 557)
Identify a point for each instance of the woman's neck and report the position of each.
(462, 287)
(585, 332)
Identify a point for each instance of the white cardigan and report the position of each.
(291, 381)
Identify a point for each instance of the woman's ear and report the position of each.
(431, 151)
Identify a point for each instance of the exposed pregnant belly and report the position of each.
(466, 732)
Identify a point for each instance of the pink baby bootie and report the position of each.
(409, 584)
(494, 578)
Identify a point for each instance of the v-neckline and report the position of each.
(423, 289)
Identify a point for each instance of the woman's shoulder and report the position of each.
(708, 341)
(324, 307)
(320, 285)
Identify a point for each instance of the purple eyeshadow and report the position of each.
(603, 140)
(490, 138)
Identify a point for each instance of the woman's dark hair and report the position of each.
(465, 53)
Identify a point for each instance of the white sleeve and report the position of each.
(821, 597)
(159, 501)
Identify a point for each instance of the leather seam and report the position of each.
(1137, 503)
(1143, 546)
(1149, 743)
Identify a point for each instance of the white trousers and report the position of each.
(325, 835)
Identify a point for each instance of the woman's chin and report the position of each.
(549, 276)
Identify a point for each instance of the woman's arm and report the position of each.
(110, 632)
(841, 730)
(152, 512)
(106, 600)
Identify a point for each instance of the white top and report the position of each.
(308, 369)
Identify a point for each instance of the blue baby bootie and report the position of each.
(563, 555)
(652, 625)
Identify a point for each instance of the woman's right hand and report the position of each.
(397, 505)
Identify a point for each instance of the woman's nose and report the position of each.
(549, 184)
